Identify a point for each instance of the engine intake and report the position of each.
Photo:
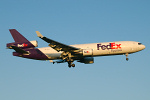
(35, 43)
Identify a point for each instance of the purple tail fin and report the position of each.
(20, 41)
(17, 36)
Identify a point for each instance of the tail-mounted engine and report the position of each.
(23, 45)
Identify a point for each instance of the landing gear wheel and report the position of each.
(73, 65)
(127, 59)
(69, 65)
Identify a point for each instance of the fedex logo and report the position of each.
(22, 45)
(86, 51)
(110, 46)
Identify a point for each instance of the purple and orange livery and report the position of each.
(110, 46)
(25, 48)
(83, 53)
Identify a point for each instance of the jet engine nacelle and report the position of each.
(87, 52)
(30, 44)
(35, 43)
(87, 60)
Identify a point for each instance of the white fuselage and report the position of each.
(99, 49)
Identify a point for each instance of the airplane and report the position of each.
(83, 53)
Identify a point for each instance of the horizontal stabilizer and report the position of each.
(19, 50)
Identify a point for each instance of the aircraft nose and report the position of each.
(143, 47)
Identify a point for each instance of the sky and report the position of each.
(76, 22)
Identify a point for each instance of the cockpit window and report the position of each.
(139, 43)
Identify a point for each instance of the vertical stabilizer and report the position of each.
(17, 36)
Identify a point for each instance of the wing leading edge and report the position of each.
(57, 45)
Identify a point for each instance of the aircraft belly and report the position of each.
(53, 55)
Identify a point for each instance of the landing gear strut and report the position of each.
(127, 57)
(70, 64)
(70, 61)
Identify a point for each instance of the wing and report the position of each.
(57, 45)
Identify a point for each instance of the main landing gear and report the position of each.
(127, 56)
(70, 61)
(70, 64)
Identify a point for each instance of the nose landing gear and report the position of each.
(127, 56)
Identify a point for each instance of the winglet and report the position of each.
(39, 34)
